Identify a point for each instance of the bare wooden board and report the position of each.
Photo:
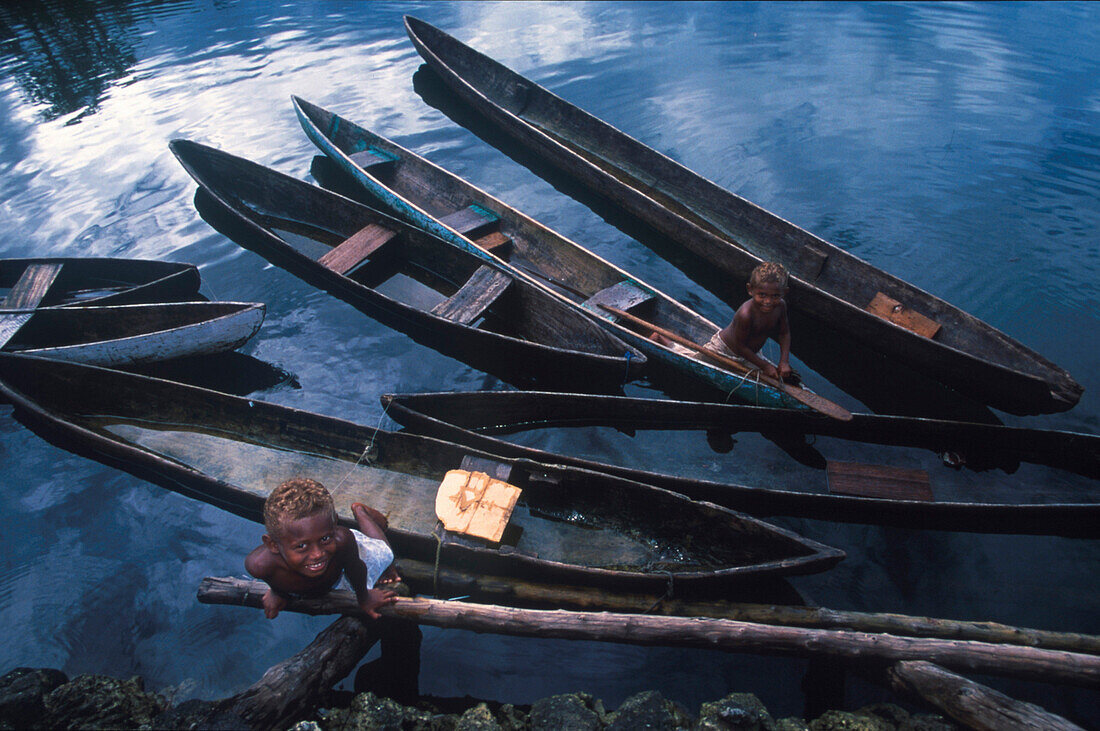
(25, 294)
(881, 481)
(495, 242)
(349, 253)
(371, 157)
(484, 287)
(32, 286)
(621, 295)
(474, 504)
(897, 313)
(470, 219)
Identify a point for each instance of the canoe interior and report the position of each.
(771, 462)
(70, 326)
(238, 450)
(413, 268)
(531, 247)
(104, 281)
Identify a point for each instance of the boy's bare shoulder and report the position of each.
(260, 562)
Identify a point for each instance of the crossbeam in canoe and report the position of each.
(357, 248)
(624, 295)
(373, 159)
(31, 287)
(472, 221)
(484, 287)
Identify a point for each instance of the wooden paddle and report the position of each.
(24, 297)
(802, 395)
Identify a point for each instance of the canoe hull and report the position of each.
(151, 333)
(556, 259)
(717, 229)
(473, 418)
(591, 354)
(298, 442)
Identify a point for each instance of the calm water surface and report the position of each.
(954, 145)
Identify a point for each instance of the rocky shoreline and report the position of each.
(43, 698)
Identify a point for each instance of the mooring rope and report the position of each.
(365, 455)
(669, 594)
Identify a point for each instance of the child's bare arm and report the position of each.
(744, 338)
(783, 337)
(259, 565)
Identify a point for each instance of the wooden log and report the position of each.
(718, 634)
(422, 578)
(972, 704)
(287, 691)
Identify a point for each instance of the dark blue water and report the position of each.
(955, 145)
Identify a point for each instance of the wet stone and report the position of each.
(792, 724)
(575, 711)
(846, 721)
(650, 710)
(198, 714)
(740, 711)
(478, 718)
(369, 712)
(98, 701)
(23, 692)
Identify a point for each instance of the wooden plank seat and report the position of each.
(472, 221)
(624, 295)
(484, 287)
(31, 287)
(495, 243)
(372, 158)
(890, 309)
(358, 247)
(878, 481)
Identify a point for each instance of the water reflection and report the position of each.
(65, 55)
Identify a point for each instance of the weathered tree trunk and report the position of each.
(422, 578)
(971, 704)
(722, 634)
(288, 690)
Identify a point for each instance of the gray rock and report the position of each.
(574, 711)
(199, 715)
(792, 723)
(369, 712)
(23, 692)
(478, 718)
(101, 702)
(650, 710)
(735, 711)
(846, 721)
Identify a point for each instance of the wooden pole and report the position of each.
(802, 395)
(719, 634)
(287, 691)
(422, 578)
(972, 704)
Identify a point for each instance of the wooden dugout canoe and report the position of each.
(125, 335)
(105, 281)
(570, 525)
(444, 204)
(1019, 506)
(730, 235)
(406, 278)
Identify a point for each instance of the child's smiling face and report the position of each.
(308, 544)
(766, 296)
